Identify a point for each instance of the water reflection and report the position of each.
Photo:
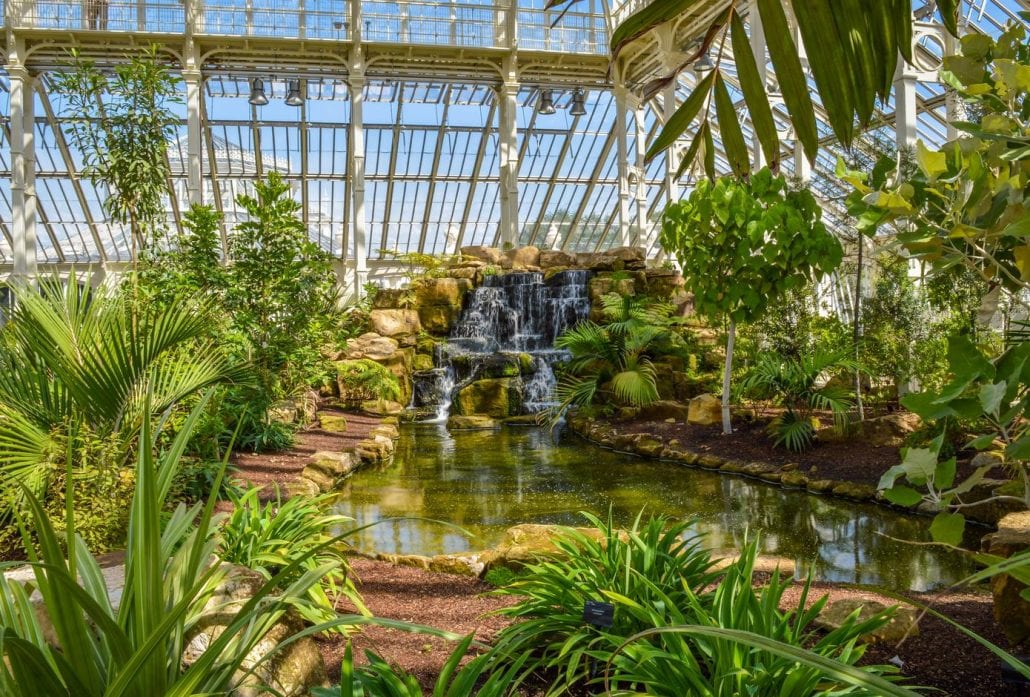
(484, 481)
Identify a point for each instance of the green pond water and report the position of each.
(486, 481)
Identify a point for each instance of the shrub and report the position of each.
(801, 386)
(365, 379)
(651, 565)
(169, 576)
(269, 538)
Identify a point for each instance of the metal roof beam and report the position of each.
(433, 178)
(476, 175)
(393, 166)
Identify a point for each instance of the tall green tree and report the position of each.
(121, 122)
(281, 288)
(744, 243)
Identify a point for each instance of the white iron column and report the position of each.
(23, 171)
(640, 140)
(509, 161)
(622, 156)
(905, 117)
(953, 104)
(758, 49)
(357, 182)
(194, 178)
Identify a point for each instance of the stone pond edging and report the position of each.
(647, 445)
(328, 469)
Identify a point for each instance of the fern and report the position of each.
(369, 379)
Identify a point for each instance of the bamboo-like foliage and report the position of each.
(852, 48)
(77, 359)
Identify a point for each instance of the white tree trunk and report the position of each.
(727, 427)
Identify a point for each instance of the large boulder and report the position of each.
(292, 671)
(489, 255)
(890, 430)
(391, 298)
(472, 423)
(630, 258)
(372, 346)
(395, 323)
(705, 410)
(528, 543)
(439, 302)
(402, 363)
(901, 624)
(524, 257)
(1010, 609)
(665, 409)
(333, 464)
(494, 397)
(555, 259)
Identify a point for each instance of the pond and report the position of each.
(486, 481)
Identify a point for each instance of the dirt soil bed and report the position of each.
(271, 470)
(939, 657)
(851, 460)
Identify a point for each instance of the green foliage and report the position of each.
(613, 361)
(500, 576)
(137, 648)
(380, 679)
(276, 305)
(121, 123)
(852, 52)
(366, 379)
(995, 394)
(657, 576)
(269, 538)
(744, 244)
(421, 265)
(741, 245)
(741, 642)
(792, 326)
(966, 204)
(648, 571)
(802, 387)
(76, 366)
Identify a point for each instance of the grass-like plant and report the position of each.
(799, 385)
(735, 640)
(381, 679)
(655, 564)
(269, 537)
(136, 648)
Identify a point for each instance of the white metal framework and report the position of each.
(419, 129)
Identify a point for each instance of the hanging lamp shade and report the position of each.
(294, 97)
(257, 92)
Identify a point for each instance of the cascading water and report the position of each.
(507, 329)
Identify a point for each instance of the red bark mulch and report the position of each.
(271, 470)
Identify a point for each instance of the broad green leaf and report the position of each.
(1022, 255)
(919, 464)
(827, 61)
(932, 162)
(925, 404)
(944, 477)
(991, 396)
(692, 151)
(903, 495)
(947, 528)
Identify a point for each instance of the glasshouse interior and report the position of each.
(514, 347)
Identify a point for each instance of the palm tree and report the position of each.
(614, 359)
(76, 364)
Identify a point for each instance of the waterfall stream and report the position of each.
(507, 329)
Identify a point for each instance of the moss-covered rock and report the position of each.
(705, 410)
(421, 363)
(332, 423)
(497, 398)
(472, 423)
(524, 544)
(901, 624)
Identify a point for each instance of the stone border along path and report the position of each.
(328, 469)
(605, 435)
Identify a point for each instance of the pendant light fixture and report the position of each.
(257, 92)
(294, 97)
(578, 106)
(546, 103)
